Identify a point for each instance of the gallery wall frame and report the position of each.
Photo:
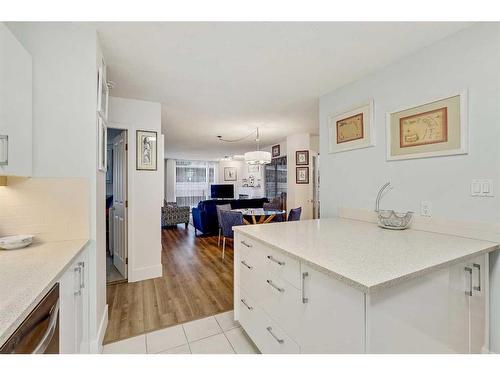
(352, 129)
(434, 127)
(146, 144)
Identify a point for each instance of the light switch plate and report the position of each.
(481, 188)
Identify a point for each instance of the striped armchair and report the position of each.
(171, 214)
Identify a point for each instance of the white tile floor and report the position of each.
(218, 334)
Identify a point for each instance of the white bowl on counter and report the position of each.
(16, 242)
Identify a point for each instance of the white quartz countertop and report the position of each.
(362, 254)
(26, 275)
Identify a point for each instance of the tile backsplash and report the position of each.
(49, 208)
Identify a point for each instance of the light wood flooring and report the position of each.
(196, 283)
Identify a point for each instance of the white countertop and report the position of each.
(26, 275)
(362, 254)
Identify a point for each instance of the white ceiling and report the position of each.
(228, 78)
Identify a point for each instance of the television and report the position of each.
(222, 191)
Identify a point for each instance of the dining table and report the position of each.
(259, 215)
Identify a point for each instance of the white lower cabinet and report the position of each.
(73, 319)
(311, 312)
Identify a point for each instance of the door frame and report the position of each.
(128, 209)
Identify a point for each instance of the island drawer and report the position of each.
(264, 332)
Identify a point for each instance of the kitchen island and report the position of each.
(347, 286)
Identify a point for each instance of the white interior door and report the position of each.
(119, 212)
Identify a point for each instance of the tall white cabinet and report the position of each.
(74, 300)
(15, 106)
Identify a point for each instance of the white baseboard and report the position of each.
(145, 273)
(96, 345)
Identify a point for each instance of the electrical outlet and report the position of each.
(426, 208)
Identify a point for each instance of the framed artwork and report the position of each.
(275, 151)
(301, 175)
(302, 157)
(437, 128)
(102, 91)
(352, 130)
(102, 140)
(146, 144)
(253, 168)
(229, 173)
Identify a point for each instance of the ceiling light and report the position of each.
(257, 157)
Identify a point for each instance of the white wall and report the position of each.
(146, 191)
(64, 125)
(241, 173)
(466, 60)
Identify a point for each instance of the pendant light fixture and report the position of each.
(257, 157)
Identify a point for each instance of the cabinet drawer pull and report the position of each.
(478, 266)
(246, 244)
(246, 265)
(246, 304)
(304, 298)
(82, 274)
(270, 330)
(270, 282)
(469, 292)
(272, 259)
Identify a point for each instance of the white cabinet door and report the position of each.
(333, 315)
(428, 314)
(15, 106)
(73, 319)
(478, 305)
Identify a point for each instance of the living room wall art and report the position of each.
(146, 157)
(230, 174)
(275, 151)
(437, 128)
(302, 157)
(302, 175)
(102, 139)
(352, 129)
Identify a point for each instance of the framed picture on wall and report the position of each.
(102, 91)
(302, 175)
(146, 144)
(102, 140)
(275, 151)
(230, 174)
(302, 157)
(436, 128)
(352, 129)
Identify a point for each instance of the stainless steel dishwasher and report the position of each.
(39, 332)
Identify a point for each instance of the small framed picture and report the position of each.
(275, 151)
(352, 130)
(302, 157)
(302, 175)
(230, 174)
(253, 168)
(146, 144)
(102, 135)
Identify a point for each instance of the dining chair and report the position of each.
(229, 220)
(273, 206)
(220, 208)
(294, 214)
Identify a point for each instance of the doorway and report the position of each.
(116, 206)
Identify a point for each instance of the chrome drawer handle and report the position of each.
(270, 282)
(270, 330)
(246, 265)
(246, 244)
(82, 275)
(478, 287)
(246, 304)
(272, 259)
(469, 292)
(79, 270)
(304, 298)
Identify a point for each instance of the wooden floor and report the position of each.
(195, 283)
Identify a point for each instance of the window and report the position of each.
(276, 180)
(192, 181)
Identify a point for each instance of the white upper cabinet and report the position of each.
(15, 106)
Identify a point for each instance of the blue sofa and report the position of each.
(205, 215)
